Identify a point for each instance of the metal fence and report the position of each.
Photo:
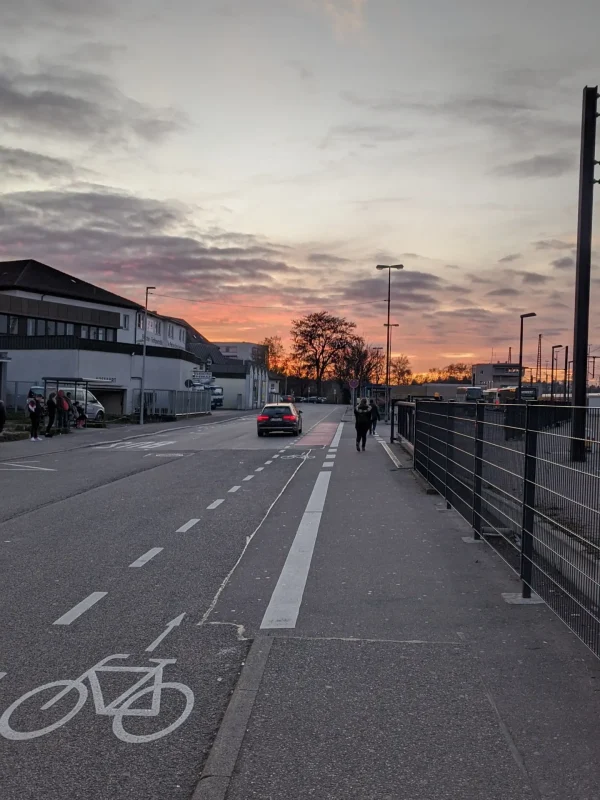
(508, 470)
(169, 403)
(16, 394)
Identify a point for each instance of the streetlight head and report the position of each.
(531, 314)
(390, 266)
(148, 288)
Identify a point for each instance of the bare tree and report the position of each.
(400, 371)
(317, 339)
(277, 358)
(358, 360)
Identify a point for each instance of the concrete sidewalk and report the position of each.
(408, 676)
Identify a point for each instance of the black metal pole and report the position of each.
(552, 378)
(583, 271)
(566, 389)
(387, 358)
(520, 363)
(528, 510)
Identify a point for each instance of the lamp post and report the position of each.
(566, 383)
(523, 317)
(389, 268)
(143, 386)
(554, 348)
(389, 326)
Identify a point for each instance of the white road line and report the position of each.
(185, 528)
(259, 469)
(284, 606)
(139, 562)
(338, 435)
(248, 477)
(214, 505)
(328, 464)
(277, 456)
(268, 462)
(25, 467)
(2, 675)
(80, 608)
(330, 456)
(234, 489)
(391, 455)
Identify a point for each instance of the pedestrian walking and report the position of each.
(375, 416)
(35, 414)
(51, 408)
(362, 415)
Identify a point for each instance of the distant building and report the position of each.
(493, 376)
(244, 351)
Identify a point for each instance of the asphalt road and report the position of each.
(105, 548)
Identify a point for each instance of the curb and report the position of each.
(218, 770)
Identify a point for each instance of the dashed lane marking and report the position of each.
(248, 477)
(139, 562)
(214, 505)
(187, 526)
(259, 469)
(234, 489)
(80, 608)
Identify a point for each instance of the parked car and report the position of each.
(287, 398)
(279, 418)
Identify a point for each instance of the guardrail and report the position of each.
(508, 471)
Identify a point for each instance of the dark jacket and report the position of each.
(375, 415)
(362, 415)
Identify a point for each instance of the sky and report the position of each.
(255, 159)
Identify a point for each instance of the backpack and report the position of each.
(63, 403)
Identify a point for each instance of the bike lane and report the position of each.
(86, 756)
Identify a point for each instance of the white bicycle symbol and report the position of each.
(119, 708)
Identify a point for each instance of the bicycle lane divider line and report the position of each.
(214, 505)
(185, 528)
(80, 608)
(234, 489)
(154, 551)
(249, 539)
(284, 606)
(335, 442)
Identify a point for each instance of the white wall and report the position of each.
(232, 387)
(122, 369)
(161, 339)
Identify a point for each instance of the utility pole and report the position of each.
(538, 363)
(583, 271)
(566, 392)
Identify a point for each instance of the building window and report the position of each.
(13, 325)
(110, 335)
(140, 320)
(158, 327)
(41, 327)
(60, 328)
(51, 328)
(84, 332)
(94, 333)
(3, 323)
(70, 329)
(30, 327)
(171, 331)
(181, 335)
(126, 321)
(100, 334)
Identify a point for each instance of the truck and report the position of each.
(216, 399)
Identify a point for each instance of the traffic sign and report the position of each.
(353, 384)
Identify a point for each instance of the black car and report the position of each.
(279, 418)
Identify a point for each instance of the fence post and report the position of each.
(449, 430)
(478, 472)
(528, 517)
(392, 421)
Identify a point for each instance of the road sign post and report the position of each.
(353, 384)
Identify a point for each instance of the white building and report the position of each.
(494, 376)
(244, 351)
(55, 325)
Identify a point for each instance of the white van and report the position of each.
(94, 409)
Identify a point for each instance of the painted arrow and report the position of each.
(170, 625)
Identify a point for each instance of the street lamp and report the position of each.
(523, 317)
(143, 386)
(389, 268)
(554, 348)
